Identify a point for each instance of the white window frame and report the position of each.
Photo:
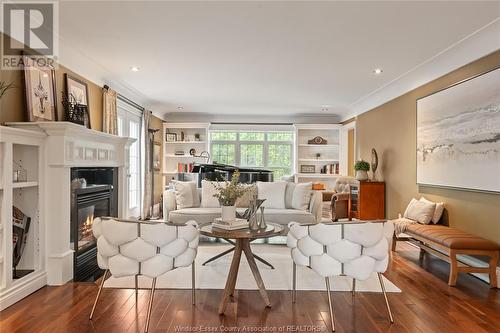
(254, 128)
(127, 113)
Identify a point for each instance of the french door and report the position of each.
(129, 125)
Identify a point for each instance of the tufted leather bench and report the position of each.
(451, 242)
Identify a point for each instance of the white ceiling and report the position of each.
(262, 58)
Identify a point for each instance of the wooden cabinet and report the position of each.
(368, 200)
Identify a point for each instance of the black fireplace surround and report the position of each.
(98, 198)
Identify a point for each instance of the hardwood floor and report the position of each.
(425, 305)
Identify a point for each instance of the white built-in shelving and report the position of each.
(189, 136)
(21, 149)
(316, 156)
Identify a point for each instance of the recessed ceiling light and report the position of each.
(134, 69)
(377, 71)
(180, 108)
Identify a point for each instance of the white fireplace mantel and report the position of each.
(72, 145)
(68, 145)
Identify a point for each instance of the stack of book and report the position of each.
(331, 168)
(184, 167)
(233, 225)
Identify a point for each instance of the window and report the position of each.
(266, 149)
(129, 125)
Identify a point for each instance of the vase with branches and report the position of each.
(227, 194)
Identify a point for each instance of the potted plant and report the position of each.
(362, 167)
(227, 193)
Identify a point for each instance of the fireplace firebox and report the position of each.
(97, 197)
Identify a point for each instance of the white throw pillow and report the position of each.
(245, 200)
(302, 196)
(420, 211)
(207, 195)
(273, 192)
(290, 188)
(186, 195)
(407, 207)
(437, 212)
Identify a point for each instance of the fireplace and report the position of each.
(91, 198)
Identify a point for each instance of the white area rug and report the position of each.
(214, 274)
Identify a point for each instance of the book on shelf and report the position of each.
(184, 167)
(332, 169)
(231, 225)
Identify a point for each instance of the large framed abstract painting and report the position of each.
(458, 135)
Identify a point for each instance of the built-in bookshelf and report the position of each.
(20, 188)
(317, 162)
(184, 142)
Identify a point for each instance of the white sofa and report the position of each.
(205, 216)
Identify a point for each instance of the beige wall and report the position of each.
(13, 107)
(391, 130)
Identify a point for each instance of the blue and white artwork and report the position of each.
(458, 135)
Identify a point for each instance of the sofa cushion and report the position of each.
(302, 196)
(273, 192)
(186, 194)
(245, 200)
(207, 195)
(451, 237)
(205, 216)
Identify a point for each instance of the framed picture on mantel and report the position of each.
(458, 135)
(40, 88)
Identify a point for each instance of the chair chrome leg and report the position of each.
(353, 287)
(150, 305)
(294, 283)
(330, 305)
(136, 288)
(385, 297)
(193, 286)
(98, 293)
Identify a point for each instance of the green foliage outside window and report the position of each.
(223, 136)
(252, 155)
(252, 136)
(223, 153)
(278, 157)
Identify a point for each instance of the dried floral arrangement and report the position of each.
(229, 191)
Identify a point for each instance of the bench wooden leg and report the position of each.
(421, 254)
(493, 269)
(452, 281)
(394, 240)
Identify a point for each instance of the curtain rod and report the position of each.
(130, 102)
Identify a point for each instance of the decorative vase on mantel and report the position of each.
(228, 213)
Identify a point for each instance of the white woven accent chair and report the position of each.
(133, 248)
(354, 249)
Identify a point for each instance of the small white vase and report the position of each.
(228, 213)
(361, 175)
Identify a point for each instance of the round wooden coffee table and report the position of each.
(242, 238)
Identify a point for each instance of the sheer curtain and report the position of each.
(147, 172)
(109, 114)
